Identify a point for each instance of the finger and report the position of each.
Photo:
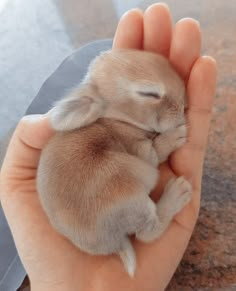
(30, 136)
(201, 92)
(185, 45)
(129, 33)
(157, 29)
(201, 86)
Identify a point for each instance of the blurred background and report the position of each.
(35, 37)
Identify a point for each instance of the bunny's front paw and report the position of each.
(169, 141)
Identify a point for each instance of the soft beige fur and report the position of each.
(97, 171)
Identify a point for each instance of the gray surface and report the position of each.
(11, 269)
(68, 74)
(33, 41)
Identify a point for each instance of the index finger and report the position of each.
(129, 32)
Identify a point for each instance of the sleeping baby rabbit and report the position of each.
(96, 173)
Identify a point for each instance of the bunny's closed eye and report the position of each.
(149, 94)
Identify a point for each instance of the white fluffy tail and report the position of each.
(128, 257)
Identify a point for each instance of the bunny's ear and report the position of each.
(82, 107)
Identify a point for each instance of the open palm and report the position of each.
(51, 261)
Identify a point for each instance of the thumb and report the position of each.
(31, 135)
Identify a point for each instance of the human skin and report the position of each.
(53, 262)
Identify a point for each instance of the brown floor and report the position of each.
(210, 260)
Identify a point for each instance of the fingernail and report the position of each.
(210, 58)
(158, 5)
(131, 11)
(189, 19)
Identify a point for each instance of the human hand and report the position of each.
(54, 263)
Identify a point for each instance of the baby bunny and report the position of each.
(96, 173)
